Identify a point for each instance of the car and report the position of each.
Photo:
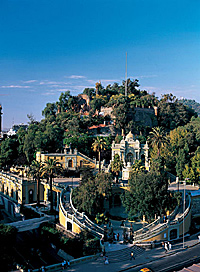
(145, 269)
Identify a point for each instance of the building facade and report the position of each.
(19, 189)
(70, 159)
(130, 150)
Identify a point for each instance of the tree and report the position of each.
(89, 196)
(172, 113)
(148, 194)
(36, 169)
(50, 110)
(195, 162)
(157, 138)
(188, 174)
(116, 166)
(99, 145)
(51, 167)
(180, 163)
(121, 110)
(137, 167)
(62, 104)
(8, 151)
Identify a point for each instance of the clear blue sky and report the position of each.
(47, 47)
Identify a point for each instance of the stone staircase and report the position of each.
(123, 254)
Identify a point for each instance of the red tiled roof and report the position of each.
(98, 126)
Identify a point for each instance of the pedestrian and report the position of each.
(64, 264)
(170, 246)
(163, 245)
(199, 238)
(117, 236)
(166, 247)
(132, 256)
(106, 260)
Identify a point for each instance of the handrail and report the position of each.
(150, 233)
(84, 217)
(89, 159)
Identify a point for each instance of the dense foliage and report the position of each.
(148, 192)
(68, 122)
(90, 195)
(7, 242)
(79, 246)
(191, 104)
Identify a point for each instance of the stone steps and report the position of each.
(124, 254)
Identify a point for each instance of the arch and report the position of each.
(117, 200)
(70, 163)
(129, 157)
(12, 192)
(7, 191)
(30, 196)
(2, 188)
(173, 234)
(81, 163)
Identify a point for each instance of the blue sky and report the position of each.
(47, 47)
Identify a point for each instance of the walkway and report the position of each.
(80, 217)
(120, 260)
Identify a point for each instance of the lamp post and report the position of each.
(184, 214)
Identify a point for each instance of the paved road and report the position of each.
(173, 262)
(153, 258)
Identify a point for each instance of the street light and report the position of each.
(184, 212)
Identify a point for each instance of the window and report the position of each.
(70, 163)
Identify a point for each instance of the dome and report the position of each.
(129, 135)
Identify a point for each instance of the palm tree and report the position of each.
(98, 145)
(116, 166)
(50, 168)
(36, 169)
(157, 138)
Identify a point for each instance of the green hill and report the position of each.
(192, 104)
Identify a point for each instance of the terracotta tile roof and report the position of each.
(98, 126)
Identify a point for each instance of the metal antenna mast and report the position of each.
(126, 77)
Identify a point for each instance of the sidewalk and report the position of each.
(147, 256)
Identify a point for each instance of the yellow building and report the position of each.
(70, 159)
(20, 189)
